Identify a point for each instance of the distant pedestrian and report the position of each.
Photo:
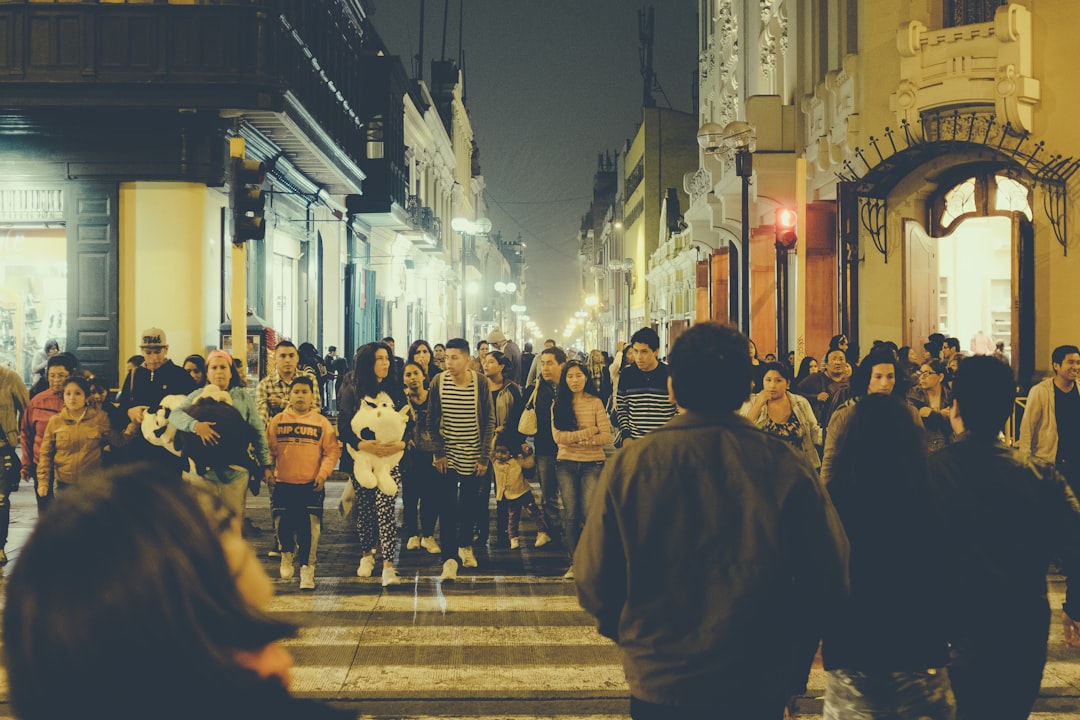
(642, 402)
(39, 411)
(1006, 516)
(13, 402)
(499, 341)
(730, 627)
(1050, 428)
(146, 386)
(462, 423)
(305, 449)
(75, 440)
(580, 426)
(423, 488)
(195, 365)
(784, 414)
(272, 392)
(541, 395)
(376, 526)
(512, 487)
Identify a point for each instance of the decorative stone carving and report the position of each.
(969, 65)
(831, 120)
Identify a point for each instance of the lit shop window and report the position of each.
(33, 296)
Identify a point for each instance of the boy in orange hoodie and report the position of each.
(305, 449)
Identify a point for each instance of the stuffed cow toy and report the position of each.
(156, 427)
(378, 415)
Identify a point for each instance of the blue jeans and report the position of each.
(549, 492)
(576, 480)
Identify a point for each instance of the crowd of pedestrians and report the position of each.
(789, 509)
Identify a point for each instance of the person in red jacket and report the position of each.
(305, 449)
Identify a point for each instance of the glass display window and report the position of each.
(33, 296)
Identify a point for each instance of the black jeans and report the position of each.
(419, 496)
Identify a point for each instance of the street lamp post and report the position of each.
(626, 265)
(737, 137)
(468, 229)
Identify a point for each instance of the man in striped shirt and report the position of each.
(643, 403)
(462, 422)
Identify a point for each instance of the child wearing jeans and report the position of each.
(305, 449)
(511, 486)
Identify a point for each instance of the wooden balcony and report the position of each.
(266, 60)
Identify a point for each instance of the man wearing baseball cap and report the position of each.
(145, 386)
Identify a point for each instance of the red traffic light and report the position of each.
(787, 228)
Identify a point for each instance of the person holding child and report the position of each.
(305, 449)
(513, 489)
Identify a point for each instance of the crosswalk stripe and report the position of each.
(350, 635)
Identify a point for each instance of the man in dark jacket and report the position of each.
(711, 553)
(146, 386)
(1007, 519)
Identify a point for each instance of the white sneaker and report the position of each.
(467, 558)
(367, 566)
(414, 543)
(449, 571)
(286, 569)
(429, 544)
(390, 576)
(307, 577)
(515, 543)
(569, 574)
(542, 539)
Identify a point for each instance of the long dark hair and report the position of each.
(563, 409)
(804, 369)
(363, 375)
(431, 356)
(880, 479)
(75, 638)
(882, 355)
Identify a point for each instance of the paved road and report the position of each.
(507, 640)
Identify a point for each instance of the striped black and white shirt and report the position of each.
(461, 424)
(642, 403)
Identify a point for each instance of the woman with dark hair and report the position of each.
(885, 648)
(420, 352)
(373, 373)
(784, 414)
(195, 366)
(757, 368)
(878, 374)
(909, 362)
(933, 401)
(505, 394)
(600, 376)
(420, 488)
(41, 360)
(807, 367)
(223, 416)
(190, 638)
(581, 428)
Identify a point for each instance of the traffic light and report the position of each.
(787, 228)
(248, 200)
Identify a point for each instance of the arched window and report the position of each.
(978, 191)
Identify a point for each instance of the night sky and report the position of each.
(549, 85)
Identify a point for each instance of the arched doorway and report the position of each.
(966, 273)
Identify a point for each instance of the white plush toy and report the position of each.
(156, 427)
(378, 415)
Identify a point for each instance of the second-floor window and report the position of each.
(969, 12)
